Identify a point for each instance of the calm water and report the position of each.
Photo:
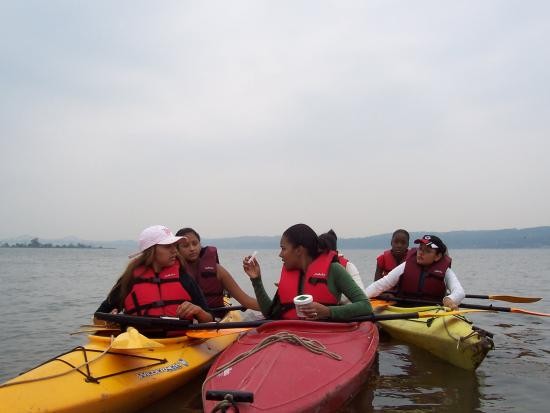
(46, 294)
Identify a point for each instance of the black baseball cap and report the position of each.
(433, 242)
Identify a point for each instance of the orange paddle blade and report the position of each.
(380, 304)
(94, 330)
(214, 333)
(522, 311)
(508, 298)
(515, 298)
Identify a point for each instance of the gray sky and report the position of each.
(245, 117)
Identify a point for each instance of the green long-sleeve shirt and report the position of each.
(339, 282)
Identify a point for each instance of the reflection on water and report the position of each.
(408, 378)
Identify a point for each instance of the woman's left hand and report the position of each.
(187, 309)
(315, 311)
(448, 302)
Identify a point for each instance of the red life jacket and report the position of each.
(343, 260)
(156, 294)
(424, 282)
(386, 261)
(207, 276)
(315, 283)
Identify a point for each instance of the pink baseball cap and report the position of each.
(157, 234)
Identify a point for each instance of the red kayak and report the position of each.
(292, 366)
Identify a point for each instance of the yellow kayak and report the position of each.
(453, 338)
(124, 377)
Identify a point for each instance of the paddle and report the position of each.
(176, 324)
(504, 309)
(508, 298)
(214, 333)
(94, 330)
(475, 306)
(231, 329)
(228, 308)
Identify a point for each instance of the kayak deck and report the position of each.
(96, 378)
(453, 338)
(293, 374)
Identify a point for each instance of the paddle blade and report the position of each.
(133, 340)
(94, 330)
(522, 311)
(515, 299)
(380, 304)
(214, 333)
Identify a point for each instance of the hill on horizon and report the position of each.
(536, 237)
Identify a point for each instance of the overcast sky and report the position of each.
(245, 117)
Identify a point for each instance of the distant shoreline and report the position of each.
(56, 247)
(536, 237)
(35, 243)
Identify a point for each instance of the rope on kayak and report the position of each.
(312, 345)
(483, 344)
(53, 376)
(226, 403)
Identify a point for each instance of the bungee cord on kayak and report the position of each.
(52, 376)
(313, 346)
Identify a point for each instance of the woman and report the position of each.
(426, 274)
(331, 240)
(154, 282)
(309, 267)
(391, 258)
(202, 264)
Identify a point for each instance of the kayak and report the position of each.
(292, 366)
(453, 338)
(96, 377)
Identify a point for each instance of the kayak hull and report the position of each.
(453, 339)
(121, 380)
(288, 377)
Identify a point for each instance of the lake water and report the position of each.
(48, 293)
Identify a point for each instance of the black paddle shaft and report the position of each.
(177, 324)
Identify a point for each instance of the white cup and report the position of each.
(301, 300)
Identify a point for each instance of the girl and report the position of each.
(425, 275)
(154, 284)
(390, 259)
(202, 264)
(330, 239)
(309, 267)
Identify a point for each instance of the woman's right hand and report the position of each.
(251, 267)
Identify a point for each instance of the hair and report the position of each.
(126, 280)
(328, 240)
(187, 230)
(301, 235)
(401, 231)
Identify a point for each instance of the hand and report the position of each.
(187, 310)
(252, 268)
(315, 311)
(106, 323)
(448, 302)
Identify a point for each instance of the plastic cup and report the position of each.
(300, 301)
